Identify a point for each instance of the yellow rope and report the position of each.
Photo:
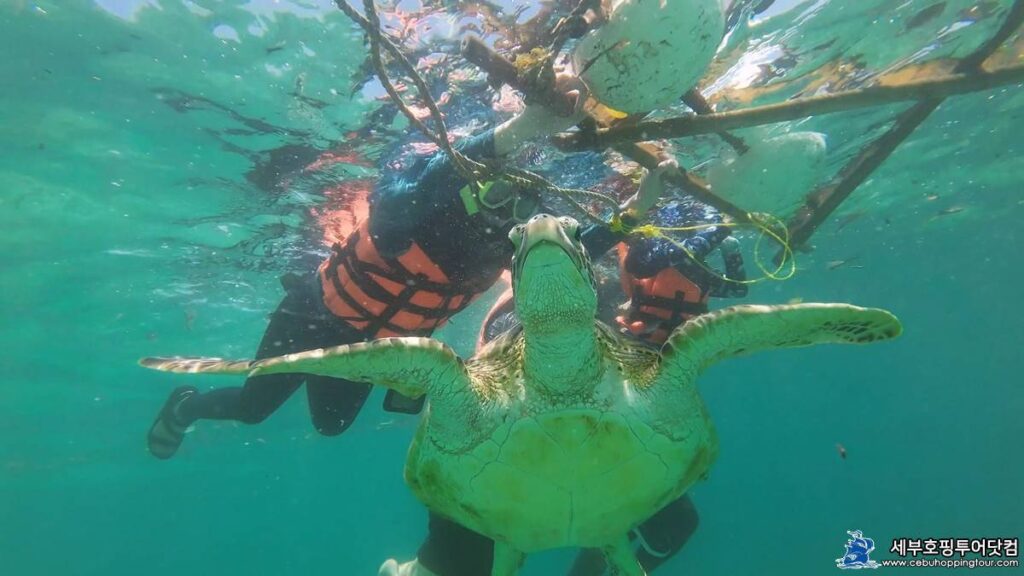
(762, 222)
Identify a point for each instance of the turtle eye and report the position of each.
(571, 227)
(516, 234)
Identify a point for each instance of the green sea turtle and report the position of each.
(561, 433)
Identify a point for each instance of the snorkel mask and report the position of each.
(501, 202)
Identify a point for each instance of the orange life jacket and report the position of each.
(405, 296)
(659, 304)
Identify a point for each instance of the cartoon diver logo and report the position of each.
(857, 550)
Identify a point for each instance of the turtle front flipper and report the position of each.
(740, 330)
(507, 560)
(622, 560)
(411, 366)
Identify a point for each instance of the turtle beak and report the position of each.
(551, 273)
(543, 228)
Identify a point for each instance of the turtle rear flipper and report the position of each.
(621, 559)
(411, 366)
(745, 329)
(507, 560)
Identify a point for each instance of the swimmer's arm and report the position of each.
(536, 121)
(734, 270)
(439, 171)
(652, 187)
(598, 239)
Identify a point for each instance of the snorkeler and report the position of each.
(430, 246)
(666, 278)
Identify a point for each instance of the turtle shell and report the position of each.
(576, 475)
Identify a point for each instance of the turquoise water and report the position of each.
(144, 213)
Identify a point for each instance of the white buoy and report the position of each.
(649, 52)
(773, 176)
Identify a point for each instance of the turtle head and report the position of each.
(552, 281)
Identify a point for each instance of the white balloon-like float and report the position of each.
(649, 52)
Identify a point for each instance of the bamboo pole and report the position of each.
(938, 88)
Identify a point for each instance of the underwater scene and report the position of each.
(684, 287)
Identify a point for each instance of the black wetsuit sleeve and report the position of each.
(420, 194)
(734, 270)
(600, 238)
